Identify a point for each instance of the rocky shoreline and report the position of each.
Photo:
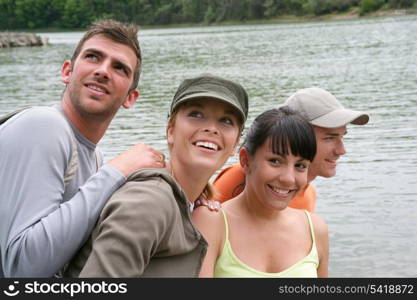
(15, 39)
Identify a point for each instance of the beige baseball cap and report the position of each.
(323, 109)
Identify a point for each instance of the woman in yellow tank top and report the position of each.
(256, 234)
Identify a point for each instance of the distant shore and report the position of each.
(25, 37)
(348, 15)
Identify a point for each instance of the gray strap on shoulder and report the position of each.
(4, 118)
(99, 158)
(73, 163)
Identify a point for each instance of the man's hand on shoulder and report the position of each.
(210, 204)
(138, 157)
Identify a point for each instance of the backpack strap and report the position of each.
(99, 158)
(73, 163)
(4, 118)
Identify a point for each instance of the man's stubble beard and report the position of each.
(83, 110)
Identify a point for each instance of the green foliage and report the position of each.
(368, 6)
(32, 14)
(191, 10)
(320, 7)
(7, 16)
(275, 8)
(165, 13)
(77, 14)
(210, 16)
(256, 9)
(401, 3)
(225, 10)
(141, 11)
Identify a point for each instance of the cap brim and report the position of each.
(215, 97)
(341, 117)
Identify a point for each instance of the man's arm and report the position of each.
(38, 231)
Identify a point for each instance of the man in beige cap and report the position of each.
(329, 119)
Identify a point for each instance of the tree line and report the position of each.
(76, 14)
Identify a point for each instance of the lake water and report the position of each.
(371, 65)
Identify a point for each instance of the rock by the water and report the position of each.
(14, 39)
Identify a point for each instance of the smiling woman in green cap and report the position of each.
(145, 229)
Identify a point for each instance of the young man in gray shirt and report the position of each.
(45, 216)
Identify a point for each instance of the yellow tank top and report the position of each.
(229, 265)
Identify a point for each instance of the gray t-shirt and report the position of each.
(43, 221)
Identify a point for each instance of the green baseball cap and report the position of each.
(212, 87)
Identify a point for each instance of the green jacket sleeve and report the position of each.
(132, 225)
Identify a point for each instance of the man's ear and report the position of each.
(66, 71)
(131, 99)
(244, 159)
